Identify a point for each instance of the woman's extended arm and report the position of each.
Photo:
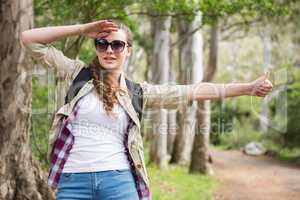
(50, 34)
(174, 96)
(202, 91)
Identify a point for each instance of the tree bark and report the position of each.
(158, 148)
(21, 176)
(267, 47)
(191, 65)
(200, 153)
(172, 122)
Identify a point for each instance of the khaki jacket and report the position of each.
(154, 96)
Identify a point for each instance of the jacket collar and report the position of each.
(125, 100)
(123, 86)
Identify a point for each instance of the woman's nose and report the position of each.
(109, 50)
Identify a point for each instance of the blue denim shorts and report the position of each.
(103, 185)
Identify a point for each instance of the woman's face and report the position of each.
(113, 60)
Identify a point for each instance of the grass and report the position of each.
(177, 183)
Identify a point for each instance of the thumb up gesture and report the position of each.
(261, 86)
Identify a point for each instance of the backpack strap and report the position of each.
(82, 77)
(136, 94)
(135, 89)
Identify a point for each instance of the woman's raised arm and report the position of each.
(37, 42)
(50, 34)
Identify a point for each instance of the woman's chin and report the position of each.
(110, 66)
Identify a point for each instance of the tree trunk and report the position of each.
(235, 49)
(266, 40)
(191, 65)
(149, 33)
(213, 53)
(172, 123)
(200, 154)
(158, 151)
(21, 177)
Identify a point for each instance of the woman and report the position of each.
(95, 146)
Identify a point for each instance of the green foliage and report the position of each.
(86, 54)
(67, 12)
(221, 120)
(242, 133)
(64, 12)
(273, 143)
(213, 9)
(225, 114)
(292, 136)
(40, 122)
(58, 12)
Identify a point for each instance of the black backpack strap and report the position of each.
(136, 94)
(84, 76)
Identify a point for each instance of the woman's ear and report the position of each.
(129, 51)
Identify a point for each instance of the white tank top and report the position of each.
(99, 138)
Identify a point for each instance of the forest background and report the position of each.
(180, 42)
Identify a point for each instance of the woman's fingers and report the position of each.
(102, 34)
(107, 24)
(98, 28)
(265, 88)
(261, 94)
(105, 28)
(105, 33)
(262, 86)
(263, 91)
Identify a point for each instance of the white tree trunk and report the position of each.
(158, 151)
(267, 47)
(191, 62)
(200, 153)
(172, 122)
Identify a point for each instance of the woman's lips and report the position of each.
(109, 59)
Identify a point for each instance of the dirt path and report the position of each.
(245, 177)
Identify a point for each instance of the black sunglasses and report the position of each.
(116, 45)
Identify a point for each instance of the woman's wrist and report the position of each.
(79, 29)
(248, 89)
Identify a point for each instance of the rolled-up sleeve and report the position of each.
(49, 55)
(165, 96)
